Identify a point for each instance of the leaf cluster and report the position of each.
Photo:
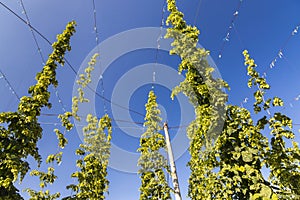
(19, 139)
(228, 152)
(153, 164)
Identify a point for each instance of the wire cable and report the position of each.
(279, 55)
(97, 43)
(32, 32)
(231, 26)
(162, 22)
(10, 87)
(197, 12)
(40, 52)
(67, 62)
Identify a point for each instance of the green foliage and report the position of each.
(49, 177)
(61, 139)
(83, 81)
(283, 162)
(228, 148)
(92, 182)
(206, 95)
(241, 149)
(231, 167)
(152, 162)
(42, 195)
(91, 177)
(19, 139)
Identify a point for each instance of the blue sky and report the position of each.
(262, 27)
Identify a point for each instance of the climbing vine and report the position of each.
(206, 95)
(228, 148)
(21, 132)
(227, 162)
(153, 164)
(92, 173)
(92, 181)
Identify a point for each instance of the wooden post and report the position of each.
(172, 164)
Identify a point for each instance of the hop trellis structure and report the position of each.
(228, 152)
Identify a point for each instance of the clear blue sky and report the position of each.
(262, 27)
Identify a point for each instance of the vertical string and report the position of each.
(98, 51)
(158, 41)
(31, 30)
(67, 62)
(229, 30)
(280, 55)
(9, 85)
(197, 12)
(43, 63)
(244, 102)
(39, 49)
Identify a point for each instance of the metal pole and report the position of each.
(172, 164)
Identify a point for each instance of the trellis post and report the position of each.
(172, 164)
